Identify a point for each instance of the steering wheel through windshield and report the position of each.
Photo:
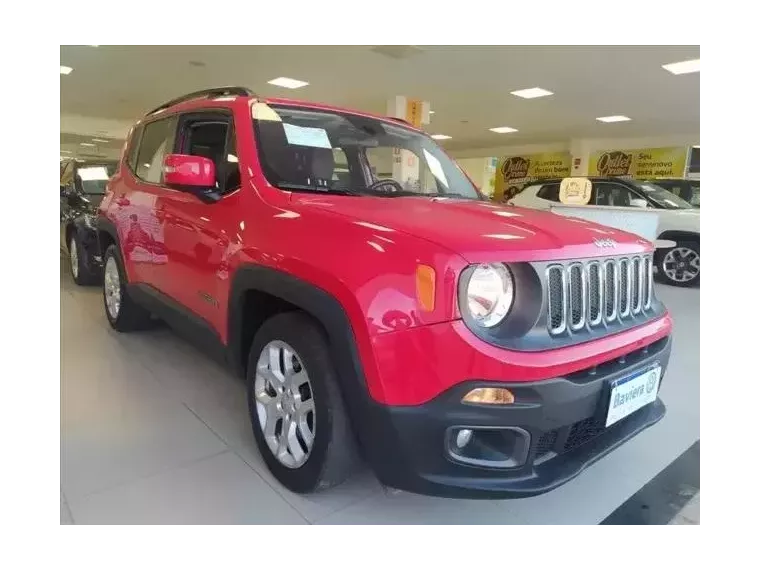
(391, 186)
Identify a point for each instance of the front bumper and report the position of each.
(561, 418)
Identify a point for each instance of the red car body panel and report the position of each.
(415, 366)
(364, 252)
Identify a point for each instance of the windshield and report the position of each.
(662, 197)
(306, 149)
(92, 178)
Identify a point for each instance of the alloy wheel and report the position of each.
(681, 264)
(112, 288)
(74, 258)
(285, 404)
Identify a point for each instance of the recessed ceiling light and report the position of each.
(613, 119)
(65, 151)
(99, 140)
(502, 130)
(288, 83)
(431, 112)
(681, 67)
(532, 93)
(696, 146)
(440, 137)
(86, 144)
(65, 70)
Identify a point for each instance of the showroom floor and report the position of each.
(153, 431)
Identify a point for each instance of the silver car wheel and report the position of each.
(112, 288)
(285, 404)
(74, 258)
(681, 264)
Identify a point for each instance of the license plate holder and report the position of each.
(632, 392)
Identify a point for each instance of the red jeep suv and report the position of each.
(378, 307)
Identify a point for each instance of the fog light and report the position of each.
(463, 437)
(489, 396)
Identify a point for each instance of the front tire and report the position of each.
(80, 273)
(680, 265)
(124, 315)
(296, 408)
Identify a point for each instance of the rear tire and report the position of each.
(290, 349)
(123, 314)
(680, 265)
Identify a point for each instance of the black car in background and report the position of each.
(683, 188)
(83, 185)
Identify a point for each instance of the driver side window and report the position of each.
(614, 195)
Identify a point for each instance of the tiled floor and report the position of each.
(152, 431)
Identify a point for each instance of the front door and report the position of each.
(196, 240)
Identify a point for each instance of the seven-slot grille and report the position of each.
(590, 293)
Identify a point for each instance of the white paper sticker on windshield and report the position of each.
(93, 173)
(306, 136)
(263, 112)
(435, 167)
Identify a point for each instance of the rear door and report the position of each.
(134, 204)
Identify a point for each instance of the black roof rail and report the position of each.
(212, 92)
(400, 120)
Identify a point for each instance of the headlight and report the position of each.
(489, 294)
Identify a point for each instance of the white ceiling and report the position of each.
(468, 86)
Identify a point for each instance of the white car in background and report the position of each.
(677, 220)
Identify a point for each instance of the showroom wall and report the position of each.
(479, 163)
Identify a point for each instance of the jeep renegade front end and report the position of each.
(459, 347)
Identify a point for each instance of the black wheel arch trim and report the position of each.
(105, 226)
(328, 312)
(679, 235)
(317, 302)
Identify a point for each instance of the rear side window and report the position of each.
(134, 144)
(156, 142)
(549, 192)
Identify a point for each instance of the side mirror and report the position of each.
(194, 174)
(639, 203)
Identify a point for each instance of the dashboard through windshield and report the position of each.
(311, 150)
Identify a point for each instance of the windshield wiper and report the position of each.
(318, 189)
(410, 193)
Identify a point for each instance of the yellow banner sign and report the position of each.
(414, 112)
(639, 163)
(515, 172)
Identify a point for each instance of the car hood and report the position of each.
(482, 231)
